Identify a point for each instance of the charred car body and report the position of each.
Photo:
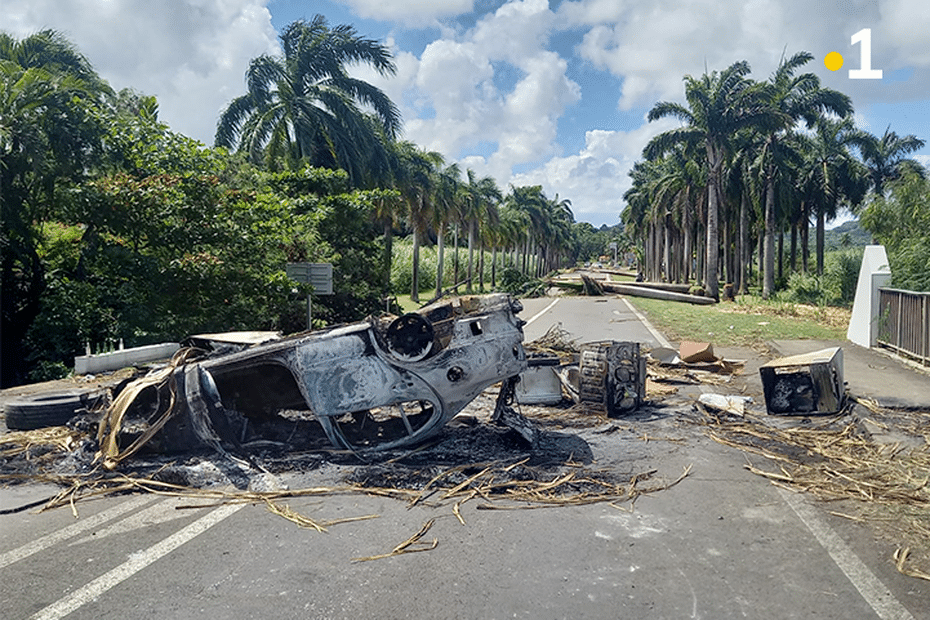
(379, 384)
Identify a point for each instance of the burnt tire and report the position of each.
(52, 409)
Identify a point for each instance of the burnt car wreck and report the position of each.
(379, 384)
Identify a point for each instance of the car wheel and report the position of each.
(52, 409)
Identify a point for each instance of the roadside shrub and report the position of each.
(909, 266)
(802, 288)
(48, 371)
(841, 275)
(837, 286)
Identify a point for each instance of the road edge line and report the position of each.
(875, 593)
(652, 330)
(542, 312)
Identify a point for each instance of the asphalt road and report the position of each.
(723, 543)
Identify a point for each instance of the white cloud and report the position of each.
(596, 178)
(651, 45)
(416, 12)
(191, 54)
(458, 101)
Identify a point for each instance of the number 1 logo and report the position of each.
(864, 37)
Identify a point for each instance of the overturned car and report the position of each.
(380, 384)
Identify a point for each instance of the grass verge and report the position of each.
(747, 322)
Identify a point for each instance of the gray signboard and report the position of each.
(317, 275)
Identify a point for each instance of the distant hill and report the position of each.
(850, 232)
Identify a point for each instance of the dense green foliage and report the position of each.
(836, 287)
(115, 229)
(900, 219)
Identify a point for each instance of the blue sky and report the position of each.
(527, 91)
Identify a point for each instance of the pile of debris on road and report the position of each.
(873, 460)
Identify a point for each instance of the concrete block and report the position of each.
(89, 364)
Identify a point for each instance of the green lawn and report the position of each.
(748, 322)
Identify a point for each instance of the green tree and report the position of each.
(719, 105)
(885, 157)
(899, 218)
(415, 179)
(793, 98)
(481, 198)
(446, 207)
(48, 138)
(305, 107)
(831, 175)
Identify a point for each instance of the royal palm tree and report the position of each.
(416, 181)
(885, 157)
(793, 98)
(447, 203)
(719, 105)
(305, 106)
(53, 52)
(481, 197)
(831, 175)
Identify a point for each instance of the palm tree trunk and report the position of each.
(781, 254)
(666, 246)
(440, 251)
(494, 267)
(768, 281)
(481, 265)
(415, 280)
(761, 250)
(455, 254)
(805, 236)
(686, 233)
(471, 250)
(821, 227)
(714, 160)
(794, 247)
(744, 258)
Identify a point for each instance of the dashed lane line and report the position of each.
(76, 528)
(134, 564)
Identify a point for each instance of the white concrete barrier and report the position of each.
(115, 360)
(874, 273)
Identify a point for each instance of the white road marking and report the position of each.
(652, 330)
(875, 593)
(134, 564)
(543, 311)
(162, 512)
(64, 533)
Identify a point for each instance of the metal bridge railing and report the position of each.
(904, 323)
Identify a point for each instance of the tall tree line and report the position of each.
(113, 227)
(752, 162)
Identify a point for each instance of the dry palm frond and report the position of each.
(411, 545)
(838, 460)
(288, 513)
(900, 559)
(556, 341)
(51, 440)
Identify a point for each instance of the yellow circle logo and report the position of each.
(833, 61)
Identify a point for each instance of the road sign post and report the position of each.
(317, 275)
